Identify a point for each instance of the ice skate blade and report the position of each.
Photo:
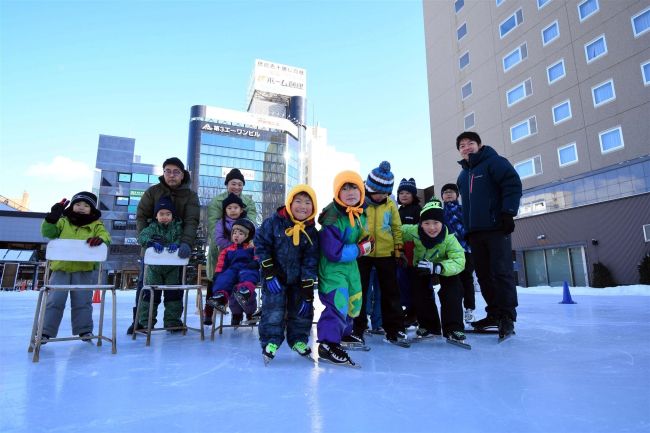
(505, 337)
(417, 339)
(481, 331)
(354, 346)
(459, 344)
(267, 360)
(399, 343)
(339, 364)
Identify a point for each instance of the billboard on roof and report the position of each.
(279, 79)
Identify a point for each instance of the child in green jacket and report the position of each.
(80, 220)
(436, 252)
(164, 232)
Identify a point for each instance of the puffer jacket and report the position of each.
(64, 229)
(293, 263)
(384, 224)
(447, 252)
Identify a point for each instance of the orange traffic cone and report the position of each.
(96, 298)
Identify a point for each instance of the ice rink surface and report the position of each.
(570, 368)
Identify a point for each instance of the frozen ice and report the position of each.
(570, 368)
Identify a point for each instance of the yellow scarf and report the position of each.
(294, 232)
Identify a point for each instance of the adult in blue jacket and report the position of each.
(490, 188)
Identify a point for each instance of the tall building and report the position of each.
(562, 89)
(266, 143)
(120, 181)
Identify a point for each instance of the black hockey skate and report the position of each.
(423, 334)
(399, 339)
(334, 354)
(242, 296)
(506, 329)
(487, 325)
(354, 342)
(457, 338)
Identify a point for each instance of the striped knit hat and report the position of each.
(380, 180)
(408, 185)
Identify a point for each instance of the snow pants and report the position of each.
(492, 255)
(339, 290)
(280, 312)
(451, 308)
(81, 303)
(467, 281)
(163, 275)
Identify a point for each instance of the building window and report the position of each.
(645, 73)
(498, 2)
(561, 112)
(587, 8)
(124, 177)
(140, 177)
(603, 93)
(510, 23)
(523, 129)
(550, 33)
(567, 155)
(119, 225)
(595, 49)
(611, 140)
(153, 178)
(461, 31)
(463, 61)
(641, 22)
(469, 121)
(515, 57)
(519, 92)
(542, 3)
(529, 167)
(121, 201)
(555, 72)
(466, 90)
(458, 5)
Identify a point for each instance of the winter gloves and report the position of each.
(269, 274)
(307, 295)
(184, 251)
(95, 241)
(157, 246)
(172, 247)
(366, 245)
(57, 210)
(507, 223)
(426, 268)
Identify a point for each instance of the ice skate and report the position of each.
(457, 338)
(354, 342)
(506, 329)
(399, 339)
(423, 334)
(268, 353)
(86, 336)
(303, 350)
(219, 302)
(253, 318)
(486, 325)
(334, 354)
(376, 331)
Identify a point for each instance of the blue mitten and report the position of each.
(184, 251)
(172, 248)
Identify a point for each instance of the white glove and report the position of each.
(432, 268)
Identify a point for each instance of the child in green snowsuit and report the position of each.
(343, 238)
(164, 232)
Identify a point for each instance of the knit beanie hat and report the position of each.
(470, 135)
(451, 186)
(299, 226)
(246, 226)
(409, 186)
(174, 161)
(432, 210)
(234, 174)
(232, 199)
(380, 180)
(352, 177)
(89, 198)
(165, 202)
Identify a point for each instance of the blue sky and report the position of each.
(73, 70)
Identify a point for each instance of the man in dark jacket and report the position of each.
(175, 183)
(490, 188)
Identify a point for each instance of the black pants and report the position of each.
(451, 308)
(467, 281)
(392, 316)
(492, 255)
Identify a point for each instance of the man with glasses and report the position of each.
(176, 184)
